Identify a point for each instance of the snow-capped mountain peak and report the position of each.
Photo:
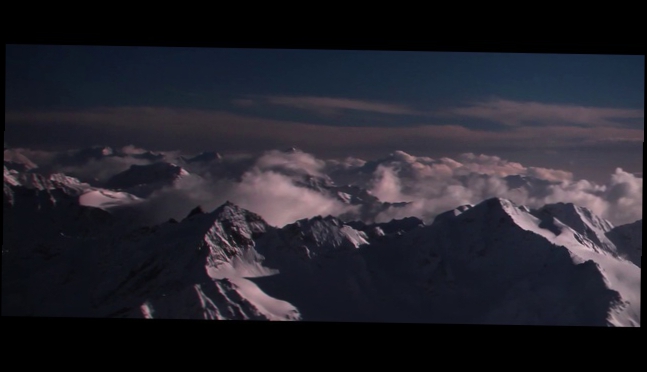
(149, 173)
(582, 221)
(14, 159)
(320, 234)
(227, 231)
(234, 214)
(10, 177)
(39, 181)
(141, 180)
(577, 217)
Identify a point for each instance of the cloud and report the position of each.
(327, 104)
(40, 158)
(132, 150)
(193, 130)
(178, 200)
(549, 174)
(515, 113)
(265, 184)
(297, 161)
(387, 185)
(434, 186)
(347, 163)
(262, 189)
(625, 197)
(18, 157)
(492, 165)
(276, 198)
(589, 149)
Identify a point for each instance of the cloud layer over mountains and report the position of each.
(434, 186)
(271, 183)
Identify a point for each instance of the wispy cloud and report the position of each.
(190, 128)
(328, 104)
(508, 112)
(515, 113)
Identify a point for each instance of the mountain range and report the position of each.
(72, 248)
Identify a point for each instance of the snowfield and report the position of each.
(107, 199)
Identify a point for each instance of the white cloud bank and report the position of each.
(434, 186)
(265, 185)
(267, 188)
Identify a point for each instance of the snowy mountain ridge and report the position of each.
(231, 259)
(70, 249)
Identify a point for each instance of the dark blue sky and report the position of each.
(56, 89)
(78, 76)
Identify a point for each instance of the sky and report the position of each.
(581, 113)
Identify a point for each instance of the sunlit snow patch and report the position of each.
(345, 197)
(147, 310)
(106, 199)
(238, 271)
